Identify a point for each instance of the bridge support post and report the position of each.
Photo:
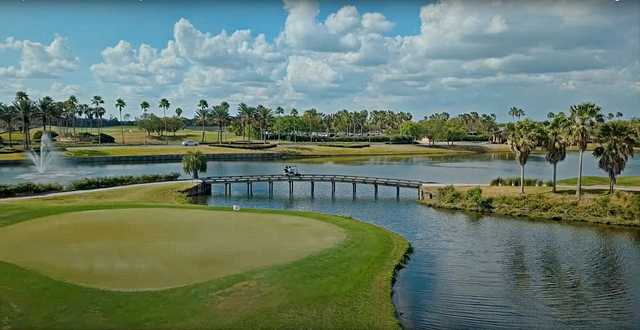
(249, 189)
(290, 189)
(397, 192)
(270, 189)
(333, 189)
(354, 190)
(226, 188)
(312, 189)
(375, 190)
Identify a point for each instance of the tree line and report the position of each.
(584, 123)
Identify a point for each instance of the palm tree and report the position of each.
(71, 109)
(120, 104)
(164, 105)
(221, 115)
(582, 121)
(194, 162)
(144, 105)
(556, 142)
(97, 102)
(522, 138)
(8, 114)
(616, 139)
(244, 113)
(25, 107)
(178, 112)
(201, 114)
(46, 109)
(264, 117)
(99, 112)
(516, 112)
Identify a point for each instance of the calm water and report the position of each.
(466, 271)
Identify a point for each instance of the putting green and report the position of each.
(158, 248)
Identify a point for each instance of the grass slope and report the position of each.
(347, 286)
(623, 181)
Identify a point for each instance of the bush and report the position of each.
(28, 188)
(401, 139)
(473, 200)
(515, 181)
(106, 138)
(38, 135)
(448, 195)
(105, 182)
(88, 137)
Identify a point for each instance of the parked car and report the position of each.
(189, 143)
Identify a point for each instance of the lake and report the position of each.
(466, 271)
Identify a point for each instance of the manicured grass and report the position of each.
(621, 208)
(112, 151)
(13, 156)
(138, 249)
(378, 149)
(346, 286)
(623, 181)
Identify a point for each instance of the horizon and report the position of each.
(417, 57)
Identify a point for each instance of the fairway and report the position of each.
(159, 248)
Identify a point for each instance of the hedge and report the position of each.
(28, 188)
(113, 181)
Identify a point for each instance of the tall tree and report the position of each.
(522, 138)
(164, 105)
(178, 112)
(121, 104)
(25, 108)
(582, 121)
(8, 114)
(46, 107)
(556, 142)
(265, 117)
(97, 102)
(71, 110)
(516, 113)
(144, 105)
(221, 116)
(616, 139)
(201, 115)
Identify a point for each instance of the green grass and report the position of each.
(345, 286)
(623, 181)
(620, 208)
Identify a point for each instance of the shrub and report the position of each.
(105, 182)
(473, 200)
(28, 188)
(401, 139)
(448, 195)
(515, 181)
(106, 138)
(38, 135)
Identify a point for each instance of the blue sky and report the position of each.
(416, 56)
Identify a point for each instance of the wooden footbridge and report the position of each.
(227, 181)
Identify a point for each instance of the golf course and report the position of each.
(97, 260)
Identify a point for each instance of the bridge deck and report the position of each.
(317, 178)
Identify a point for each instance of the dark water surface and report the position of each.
(466, 271)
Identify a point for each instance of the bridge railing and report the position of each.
(311, 177)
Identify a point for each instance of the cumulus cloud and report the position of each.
(37, 60)
(468, 55)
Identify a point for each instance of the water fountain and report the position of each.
(42, 160)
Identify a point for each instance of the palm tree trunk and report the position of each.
(99, 131)
(612, 182)
(10, 141)
(522, 179)
(555, 165)
(121, 128)
(579, 186)
(164, 115)
(203, 130)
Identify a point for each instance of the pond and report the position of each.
(466, 271)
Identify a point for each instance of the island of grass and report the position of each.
(99, 260)
(622, 181)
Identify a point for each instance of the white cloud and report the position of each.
(376, 22)
(483, 56)
(38, 60)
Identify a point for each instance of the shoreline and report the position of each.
(539, 203)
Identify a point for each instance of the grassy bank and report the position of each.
(621, 208)
(345, 286)
(623, 181)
